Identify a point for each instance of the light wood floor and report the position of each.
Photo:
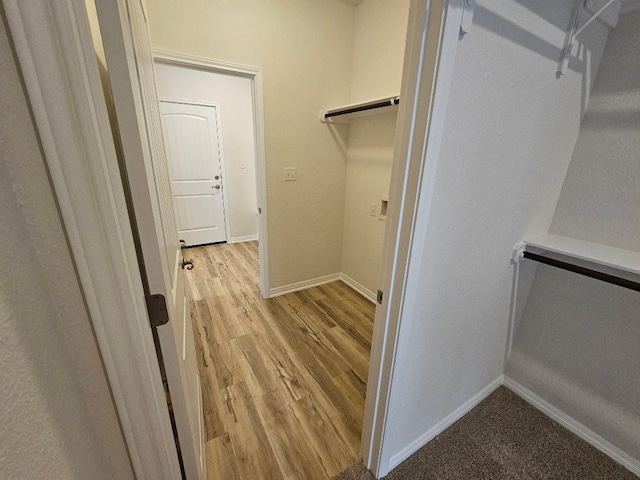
(283, 379)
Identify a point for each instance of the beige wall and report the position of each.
(57, 417)
(378, 48)
(380, 31)
(304, 49)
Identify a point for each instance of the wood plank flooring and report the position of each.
(283, 379)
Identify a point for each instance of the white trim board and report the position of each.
(255, 74)
(574, 426)
(442, 425)
(245, 238)
(315, 282)
(358, 287)
(297, 286)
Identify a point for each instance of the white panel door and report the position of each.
(192, 140)
(130, 68)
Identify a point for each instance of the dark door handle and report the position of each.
(188, 264)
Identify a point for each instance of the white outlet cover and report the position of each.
(290, 174)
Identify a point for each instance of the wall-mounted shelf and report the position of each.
(345, 113)
(609, 264)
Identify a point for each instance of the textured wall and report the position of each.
(304, 49)
(510, 130)
(378, 54)
(234, 95)
(57, 417)
(577, 343)
(599, 199)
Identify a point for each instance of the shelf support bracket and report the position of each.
(575, 31)
(518, 253)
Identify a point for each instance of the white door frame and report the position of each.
(58, 63)
(255, 75)
(432, 39)
(223, 170)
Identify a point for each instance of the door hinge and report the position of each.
(379, 297)
(157, 308)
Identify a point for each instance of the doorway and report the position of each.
(235, 91)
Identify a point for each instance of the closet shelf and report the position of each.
(609, 264)
(595, 253)
(345, 113)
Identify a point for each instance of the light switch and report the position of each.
(289, 174)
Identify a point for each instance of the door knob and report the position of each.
(217, 177)
(183, 244)
(188, 264)
(217, 187)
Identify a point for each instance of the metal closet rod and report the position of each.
(587, 272)
(362, 108)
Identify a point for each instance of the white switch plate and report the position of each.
(290, 174)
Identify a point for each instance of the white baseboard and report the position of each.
(574, 426)
(246, 238)
(358, 287)
(294, 287)
(441, 426)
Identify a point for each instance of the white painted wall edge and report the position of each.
(574, 426)
(358, 287)
(428, 69)
(255, 74)
(246, 238)
(58, 63)
(445, 423)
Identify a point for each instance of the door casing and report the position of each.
(255, 75)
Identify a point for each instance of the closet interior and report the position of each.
(538, 163)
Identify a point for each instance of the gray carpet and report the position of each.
(502, 438)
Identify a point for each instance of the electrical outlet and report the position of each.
(290, 174)
(372, 209)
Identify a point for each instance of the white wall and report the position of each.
(378, 53)
(577, 343)
(58, 419)
(509, 133)
(304, 49)
(235, 97)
